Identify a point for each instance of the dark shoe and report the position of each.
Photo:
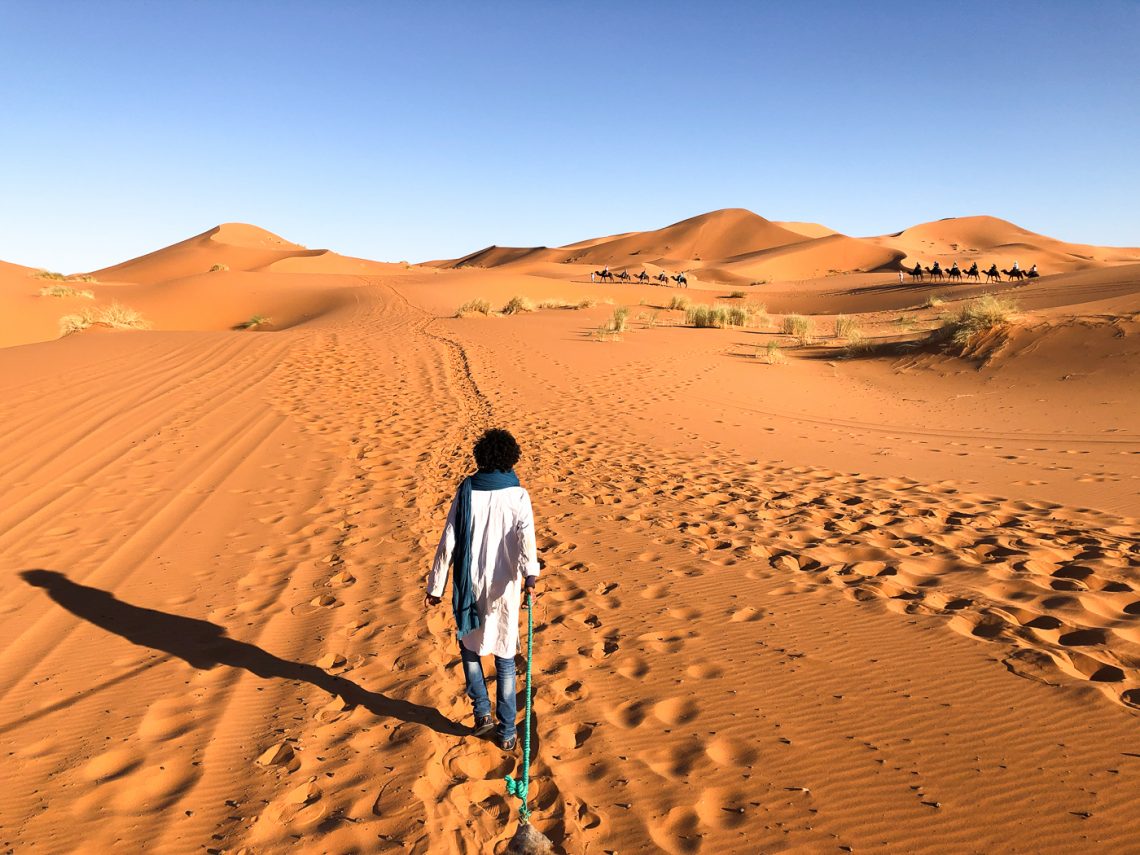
(484, 724)
(509, 744)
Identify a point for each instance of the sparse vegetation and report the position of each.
(933, 302)
(517, 305)
(976, 317)
(773, 355)
(679, 303)
(618, 321)
(724, 315)
(255, 322)
(473, 307)
(49, 274)
(905, 322)
(758, 282)
(587, 303)
(66, 291)
(847, 328)
(736, 295)
(116, 316)
(218, 268)
(799, 326)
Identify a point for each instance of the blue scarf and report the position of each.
(462, 592)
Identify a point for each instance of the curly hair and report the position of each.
(496, 450)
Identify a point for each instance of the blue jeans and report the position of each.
(505, 707)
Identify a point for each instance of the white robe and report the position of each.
(502, 551)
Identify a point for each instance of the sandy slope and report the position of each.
(885, 603)
(735, 246)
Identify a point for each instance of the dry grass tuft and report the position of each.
(587, 303)
(679, 303)
(66, 291)
(517, 306)
(115, 316)
(218, 268)
(933, 302)
(49, 274)
(773, 355)
(255, 322)
(737, 295)
(800, 327)
(847, 328)
(722, 315)
(473, 307)
(976, 317)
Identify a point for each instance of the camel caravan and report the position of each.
(956, 274)
(604, 275)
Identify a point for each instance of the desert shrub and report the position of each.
(773, 355)
(723, 315)
(116, 316)
(800, 327)
(587, 303)
(736, 295)
(758, 282)
(933, 302)
(977, 316)
(66, 291)
(518, 305)
(847, 328)
(49, 274)
(255, 322)
(218, 268)
(473, 307)
(679, 303)
(905, 322)
(618, 321)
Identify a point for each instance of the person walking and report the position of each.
(489, 543)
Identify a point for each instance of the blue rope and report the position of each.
(521, 787)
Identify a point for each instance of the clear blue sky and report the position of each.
(425, 130)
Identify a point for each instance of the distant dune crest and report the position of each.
(735, 245)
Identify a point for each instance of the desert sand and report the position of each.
(872, 598)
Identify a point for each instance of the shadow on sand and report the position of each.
(204, 645)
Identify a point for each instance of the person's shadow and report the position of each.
(204, 645)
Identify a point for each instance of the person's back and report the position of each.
(489, 543)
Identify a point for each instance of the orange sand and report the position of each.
(888, 602)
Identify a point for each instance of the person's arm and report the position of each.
(437, 578)
(528, 551)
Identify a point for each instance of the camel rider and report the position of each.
(1033, 270)
(1016, 266)
(937, 267)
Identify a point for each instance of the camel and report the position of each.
(604, 275)
(680, 280)
(1014, 274)
(1032, 273)
(934, 272)
(954, 274)
(624, 276)
(972, 273)
(662, 278)
(916, 273)
(992, 275)
(643, 277)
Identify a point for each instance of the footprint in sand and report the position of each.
(748, 614)
(111, 765)
(725, 751)
(628, 715)
(674, 711)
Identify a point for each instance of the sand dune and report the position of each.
(878, 599)
(811, 230)
(734, 246)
